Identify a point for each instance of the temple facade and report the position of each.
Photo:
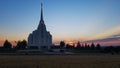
(40, 38)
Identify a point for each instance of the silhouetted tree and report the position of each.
(92, 46)
(24, 43)
(98, 47)
(82, 47)
(78, 46)
(86, 46)
(62, 44)
(21, 44)
(7, 44)
(73, 44)
(68, 46)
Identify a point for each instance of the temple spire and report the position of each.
(41, 23)
(41, 12)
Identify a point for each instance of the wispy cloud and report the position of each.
(114, 32)
(111, 37)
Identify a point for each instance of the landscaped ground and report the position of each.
(60, 61)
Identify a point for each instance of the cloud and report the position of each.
(114, 32)
(112, 40)
(118, 35)
(110, 37)
(107, 39)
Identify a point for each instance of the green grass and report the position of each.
(59, 61)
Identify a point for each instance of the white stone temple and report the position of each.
(40, 38)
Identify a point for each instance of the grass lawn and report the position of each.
(60, 61)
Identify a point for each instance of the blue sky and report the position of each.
(68, 20)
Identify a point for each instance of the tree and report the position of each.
(62, 44)
(21, 44)
(7, 44)
(78, 45)
(82, 46)
(68, 46)
(86, 46)
(92, 46)
(98, 47)
(24, 44)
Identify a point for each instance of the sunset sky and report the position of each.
(67, 20)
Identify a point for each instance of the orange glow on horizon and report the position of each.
(69, 41)
(1, 42)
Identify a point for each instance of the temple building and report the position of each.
(40, 38)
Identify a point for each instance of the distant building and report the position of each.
(41, 38)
